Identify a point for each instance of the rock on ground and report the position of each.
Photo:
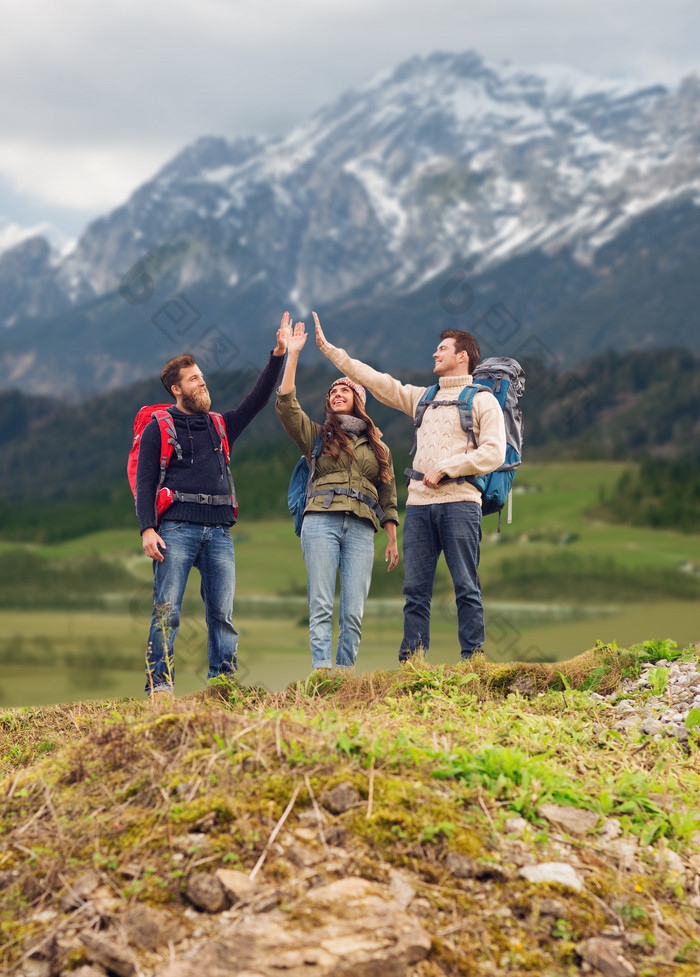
(351, 925)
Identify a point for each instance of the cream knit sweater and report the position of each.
(442, 444)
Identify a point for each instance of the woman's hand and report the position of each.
(391, 555)
(320, 338)
(297, 339)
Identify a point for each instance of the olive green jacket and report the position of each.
(357, 471)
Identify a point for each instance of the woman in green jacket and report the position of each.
(353, 493)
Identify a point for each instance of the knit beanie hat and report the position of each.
(347, 382)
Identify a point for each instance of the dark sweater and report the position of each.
(203, 466)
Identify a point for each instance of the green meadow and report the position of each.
(74, 615)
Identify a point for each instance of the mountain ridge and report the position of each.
(382, 196)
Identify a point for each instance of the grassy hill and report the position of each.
(477, 819)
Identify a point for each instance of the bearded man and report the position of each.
(195, 529)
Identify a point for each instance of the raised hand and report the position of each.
(297, 339)
(283, 335)
(320, 338)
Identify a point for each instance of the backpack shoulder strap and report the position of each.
(421, 408)
(315, 452)
(168, 440)
(221, 428)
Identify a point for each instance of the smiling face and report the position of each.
(448, 362)
(191, 391)
(341, 399)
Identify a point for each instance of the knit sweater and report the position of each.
(442, 444)
(203, 466)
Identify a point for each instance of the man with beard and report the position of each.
(195, 529)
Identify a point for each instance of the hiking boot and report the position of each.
(468, 655)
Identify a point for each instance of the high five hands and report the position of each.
(294, 339)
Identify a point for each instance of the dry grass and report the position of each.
(440, 758)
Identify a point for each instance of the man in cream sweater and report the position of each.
(443, 512)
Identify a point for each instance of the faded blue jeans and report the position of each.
(335, 542)
(210, 549)
(453, 528)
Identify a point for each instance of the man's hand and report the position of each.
(151, 543)
(432, 479)
(320, 338)
(283, 334)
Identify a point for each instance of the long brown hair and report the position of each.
(335, 439)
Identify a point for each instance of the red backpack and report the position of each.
(169, 443)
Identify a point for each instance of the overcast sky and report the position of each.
(96, 96)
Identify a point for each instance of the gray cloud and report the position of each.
(102, 95)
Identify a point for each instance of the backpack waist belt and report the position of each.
(351, 493)
(419, 476)
(203, 499)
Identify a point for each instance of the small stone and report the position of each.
(304, 857)
(625, 849)
(460, 866)
(149, 928)
(191, 841)
(237, 885)
(343, 891)
(625, 725)
(610, 830)
(335, 835)
(606, 957)
(80, 891)
(573, 820)
(552, 907)
(515, 826)
(109, 955)
(559, 872)
(400, 888)
(36, 968)
(206, 892)
(650, 727)
(672, 860)
(624, 706)
(340, 798)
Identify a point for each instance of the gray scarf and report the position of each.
(352, 426)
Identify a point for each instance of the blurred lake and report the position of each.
(53, 656)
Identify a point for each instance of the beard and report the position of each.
(198, 403)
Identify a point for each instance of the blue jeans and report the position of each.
(210, 549)
(332, 542)
(453, 528)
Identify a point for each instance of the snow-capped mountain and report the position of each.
(379, 196)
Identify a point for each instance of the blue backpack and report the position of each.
(299, 485)
(505, 378)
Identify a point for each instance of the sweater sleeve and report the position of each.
(387, 496)
(490, 451)
(147, 474)
(238, 419)
(387, 390)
